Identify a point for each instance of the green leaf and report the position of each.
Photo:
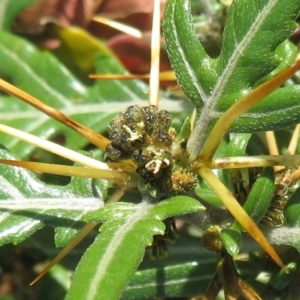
(188, 58)
(164, 209)
(247, 55)
(237, 145)
(282, 279)
(183, 280)
(260, 197)
(42, 75)
(279, 110)
(121, 244)
(9, 10)
(208, 195)
(287, 53)
(27, 204)
(292, 210)
(248, 51)
(231, 240)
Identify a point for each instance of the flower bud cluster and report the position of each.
(143, 134)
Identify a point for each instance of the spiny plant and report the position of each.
(157, 173)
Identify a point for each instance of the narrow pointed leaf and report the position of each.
(191, 64)
(283, 279)
(260, 197)
(292, 210)
(231, 240)
(237, 145)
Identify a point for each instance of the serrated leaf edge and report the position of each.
(119, 236)
(198, 136)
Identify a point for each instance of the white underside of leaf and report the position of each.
(284, 236)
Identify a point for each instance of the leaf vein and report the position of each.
(115, 243)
